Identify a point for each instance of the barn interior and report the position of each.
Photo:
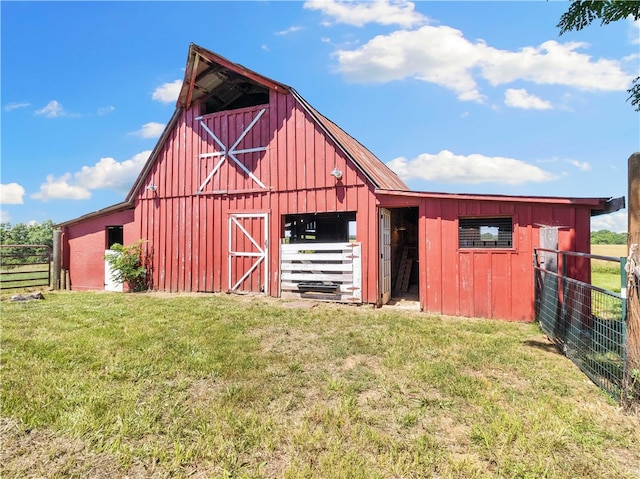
(340, 227)
(404, 254)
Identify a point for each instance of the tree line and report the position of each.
(608, 237)
(23, 234)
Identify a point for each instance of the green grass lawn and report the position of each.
(148, 385)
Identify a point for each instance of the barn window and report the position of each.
(320, 227)
(114, 235)
(485, 232)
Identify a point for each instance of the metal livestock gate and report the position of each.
(586, 322)
(24, 266)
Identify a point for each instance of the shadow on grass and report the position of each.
(542, 345)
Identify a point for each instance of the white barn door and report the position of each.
(109, 283)
(248, 264)
(385, 255)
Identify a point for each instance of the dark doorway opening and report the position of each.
(114, 235)
(404, 254)
(320, 227)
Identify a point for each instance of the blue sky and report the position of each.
(464, 97)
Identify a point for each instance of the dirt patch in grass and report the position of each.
(41, 453)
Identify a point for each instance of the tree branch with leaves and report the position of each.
(581, 14)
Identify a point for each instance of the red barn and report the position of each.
(251, 189)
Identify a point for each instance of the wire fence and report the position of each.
(588, 323)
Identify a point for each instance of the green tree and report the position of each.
(582, 13)
(22, 234)
(608, 237)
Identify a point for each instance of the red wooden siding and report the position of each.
(188, 233)
(204, 205)
(493, 283)
(85, 243)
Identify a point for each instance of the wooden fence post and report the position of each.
(631, 380)
(57, 253)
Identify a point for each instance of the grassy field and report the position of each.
(606, 274)
(103, 385)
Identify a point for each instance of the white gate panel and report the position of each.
(321, 271)
(109, 283)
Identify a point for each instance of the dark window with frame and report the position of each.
(114, 235)
(494, 232)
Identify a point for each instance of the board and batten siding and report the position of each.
(187, 230)
(85, 244)
(488, 283)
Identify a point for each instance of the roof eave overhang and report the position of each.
(152, 157)
(125, 205)
(610, 206)
(196, 53)
(598, 206)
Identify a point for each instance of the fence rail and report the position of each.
(321, 271)
(24, 266)
(587, 322)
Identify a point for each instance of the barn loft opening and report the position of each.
(220, 89)
(320, 227)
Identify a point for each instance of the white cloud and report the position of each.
(443, 56)
(616, 222)
(384, 12)
(472, 169)
(554, 63)
(289, 30)
(521, 98)
(439, 55)
(52, 110)
(15, 106)
(581, 165)
(11, 194)
(107, 173)
(168, 92)
(5, 217)
(149, 130)
(106, 110)
(61, 189)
